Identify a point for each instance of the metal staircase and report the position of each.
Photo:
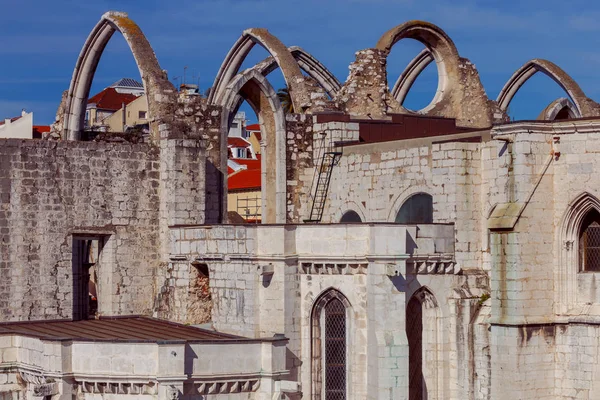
(328, 161)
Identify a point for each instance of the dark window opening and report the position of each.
(418, 209)
(350, 217)
(414, 333)
(86, 252)
(589, 243)
(335, 350)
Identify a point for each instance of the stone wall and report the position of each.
(51, 191)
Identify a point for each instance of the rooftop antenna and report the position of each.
(184, 70)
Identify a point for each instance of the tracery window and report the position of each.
(330, 347)
(589, 243)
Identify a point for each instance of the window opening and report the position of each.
(335, 350)
(350, 217)
(418, 209)
(86, 252)
(589, 243)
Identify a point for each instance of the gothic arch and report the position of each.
(584, 107)
(317, 338)
(459, 94)
(438, 44)
(282, 56)
(308, 64)
(253, 87)
(558, 109)
(350, 206)
(157, 88)
(410, 74)
(568, 238)
(424, 338)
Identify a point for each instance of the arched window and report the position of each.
(422, 320)
(589, 242)
(350, 217)
(330, 347)
(418, 209)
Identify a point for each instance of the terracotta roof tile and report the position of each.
(237, 142)
(248, 179)
(110, 99)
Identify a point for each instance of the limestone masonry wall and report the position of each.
(53, 190)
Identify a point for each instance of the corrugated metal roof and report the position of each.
(130, 328)
(127, 82)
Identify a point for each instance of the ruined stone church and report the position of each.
(444, 253)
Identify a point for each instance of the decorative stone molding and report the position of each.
(223, 387)
(309, 268)
(432, 265)
(107, 387)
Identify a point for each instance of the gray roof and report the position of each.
(127, 82)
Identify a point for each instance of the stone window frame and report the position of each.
(568, 263)
(432, 317)
(317, 360)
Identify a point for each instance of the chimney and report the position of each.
(23, 112)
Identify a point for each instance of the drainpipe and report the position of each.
(123, 119)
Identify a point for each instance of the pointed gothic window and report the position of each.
(589, 243)
(330, 347)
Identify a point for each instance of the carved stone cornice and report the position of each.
(310, 268)
(432, 266)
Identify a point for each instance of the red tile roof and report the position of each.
(110, 99)
(246, 179)
(237, 142)
(250, 163)
(11, 120)
(39, 130)
(253, 127)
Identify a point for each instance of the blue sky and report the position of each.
(41, 40)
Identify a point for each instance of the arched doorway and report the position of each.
(424, 364)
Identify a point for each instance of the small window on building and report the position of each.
(234, 125)
(589, 243)
(86, 253)
(418, 209)
(350, 217)
(142, 114)
(241, 153)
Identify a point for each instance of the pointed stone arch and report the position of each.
(460, 93)
(584, 107)
(559, 109)
(308, 64)
(253, 87)
(568, 243)
(410, 74)
(424, 346)
(159, 91)
(280, 53)
(319, 334)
